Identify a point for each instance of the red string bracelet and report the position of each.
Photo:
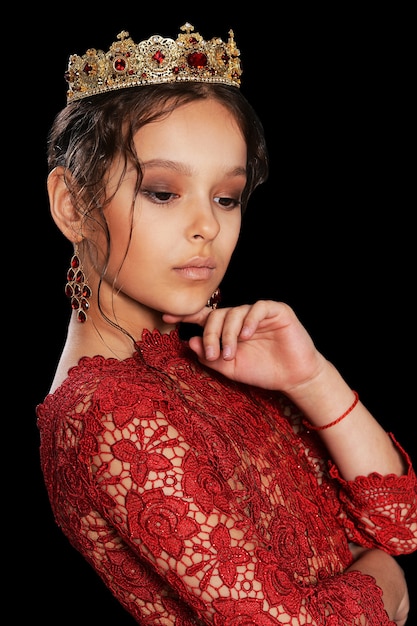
(339, 419)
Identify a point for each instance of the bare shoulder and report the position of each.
(69, 358)
(79, 343)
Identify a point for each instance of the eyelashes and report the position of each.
(167, 197)
(159, 197)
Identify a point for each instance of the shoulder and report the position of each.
(97, 386)
(82, 368)
(74, 383)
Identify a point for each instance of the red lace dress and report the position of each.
(201, 501)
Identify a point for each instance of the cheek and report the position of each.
(141, 254)
(230, 232)
(119, 228)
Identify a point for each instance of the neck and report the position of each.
(111, 339)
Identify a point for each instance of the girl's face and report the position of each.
(187, 215)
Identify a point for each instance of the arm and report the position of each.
(358, 444)
(389, 577)
(266, 345)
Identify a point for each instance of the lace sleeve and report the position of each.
(381, 511)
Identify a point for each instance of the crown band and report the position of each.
(153, 61)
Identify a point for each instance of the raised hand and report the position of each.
(262, 344)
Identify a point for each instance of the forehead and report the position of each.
(202, 125)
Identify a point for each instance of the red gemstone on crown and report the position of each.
(197, 59)
(158, 57)
(120, 65)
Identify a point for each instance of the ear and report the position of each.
(63, 212)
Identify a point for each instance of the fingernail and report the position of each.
(227, 352)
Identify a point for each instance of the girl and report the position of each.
(233, 477)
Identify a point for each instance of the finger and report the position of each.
(262, 310)
(222, 331)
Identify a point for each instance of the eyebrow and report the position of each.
(185, 169)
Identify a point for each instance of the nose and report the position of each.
(203, 223)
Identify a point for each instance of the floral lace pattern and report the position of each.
(202, 501)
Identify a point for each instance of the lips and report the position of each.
(198, 262)
(197, 268)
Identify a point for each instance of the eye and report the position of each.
(159, 197)
(228, 203)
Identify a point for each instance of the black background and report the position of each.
(330, 233)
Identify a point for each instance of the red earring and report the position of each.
(77, 289)
(214, 300)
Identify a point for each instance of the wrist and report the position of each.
(336, 421)
(326, 400)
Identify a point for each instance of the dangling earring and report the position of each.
(213, 301)
(77, 289)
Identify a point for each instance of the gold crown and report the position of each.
(155, 60)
